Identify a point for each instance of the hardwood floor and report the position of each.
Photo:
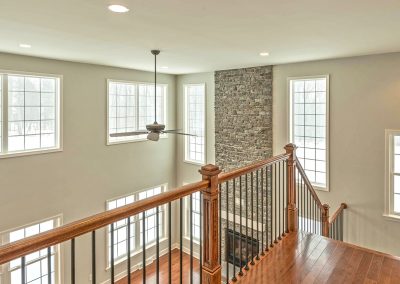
(307, 258)
(137, 276)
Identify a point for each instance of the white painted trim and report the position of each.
(291, 122)
(389, 166)
(58, 109)
(185, 138)
(162, 136)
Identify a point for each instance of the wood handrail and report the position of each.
(308, 184)
(223, 177)
(337, 213)
(72, 230)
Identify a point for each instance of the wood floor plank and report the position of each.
(306, 258)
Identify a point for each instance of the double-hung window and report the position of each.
(392, 207)
(30, 108)
(309, 106)
(136, 225)
(196, 216)
(194, 97)
(131, 108)
(36, 264)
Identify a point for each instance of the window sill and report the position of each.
(194, 163)
(316, 187)
(164, 136)
(195, 241)
(30, 153)
(392, 217)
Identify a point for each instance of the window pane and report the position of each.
(397, 203)
(195, 123)
(310, 109)
(32, 102)
(396, 187)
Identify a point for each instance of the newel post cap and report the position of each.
(209, 170)
(290, 148)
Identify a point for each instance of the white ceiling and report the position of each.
(199, 35)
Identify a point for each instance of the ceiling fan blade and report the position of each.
(179, 133)
(133, 133)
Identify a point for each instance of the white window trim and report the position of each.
(186, 205)
(291, 122)
(389, 165)
(59, 108)
(185, 109)
(162, 136)
(58, 251)
(138, 250)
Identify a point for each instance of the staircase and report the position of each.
(266, 214)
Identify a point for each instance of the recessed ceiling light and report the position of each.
(264, 53)
(164, 67)
(25, 45)
(118, 8)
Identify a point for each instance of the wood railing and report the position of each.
(336, 223)
(277, 196)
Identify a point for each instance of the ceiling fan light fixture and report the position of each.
(153, 136)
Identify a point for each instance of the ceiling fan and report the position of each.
(155, 129)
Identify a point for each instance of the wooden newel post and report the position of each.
(325, 220)
(211, 268)
(291, 187)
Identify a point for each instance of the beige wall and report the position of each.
(77, 181)
(364, 101)
(186, 172)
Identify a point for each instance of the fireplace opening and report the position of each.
(249, 244)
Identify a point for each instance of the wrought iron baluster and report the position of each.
(181, 240)
(234, 230)
(191, 236)
(49, 265)
(144, 246)
(240, 224)
(252, 217)
(169, 243)
(112, 252)
(227, 228)
(157, 246)
(73, 261)
(247, 225)
(94, 257)
(262, 212)
(128, 262)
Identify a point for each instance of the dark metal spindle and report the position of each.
(267, 180)
(275, 205)
(144, 246)
(220, 224)
(247, 225)
(49, 265)
(279, 201)
(234, 230)
(73, 261)
(257, 230)
(271, 229)
(169, 243)
(227, 227)
(252, 217)
(23, 269)
(240, 224)
(94, 257)
(262, 211)
(181, 239)
(191, 236)
(128, 256)
(157, 247)
(112, 253)
(201, 238)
